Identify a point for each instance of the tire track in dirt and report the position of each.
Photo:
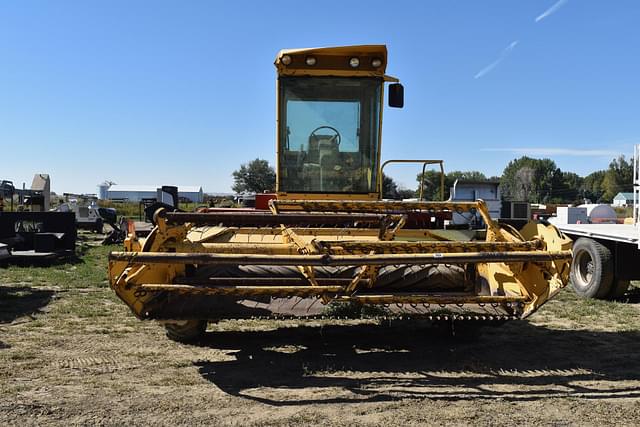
(93, 364)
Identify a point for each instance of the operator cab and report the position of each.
(330, 115)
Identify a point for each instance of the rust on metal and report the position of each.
(263, 281)
(243, 290)
(243, 219)
(424, 246)
(367, 206)
(433, 299)
(338, 260)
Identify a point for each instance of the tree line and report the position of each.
(541, 181)
(523, 179)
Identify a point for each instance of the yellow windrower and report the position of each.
(328, 237)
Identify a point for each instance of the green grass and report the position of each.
(624, 212)
(59, 293)
(87, 270)
(132, 209)
(79, 289)
(569, 311)
(84, 342)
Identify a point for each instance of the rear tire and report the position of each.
(592, 269)
(186, 331)
(618, 289)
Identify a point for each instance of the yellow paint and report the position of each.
(526, 285)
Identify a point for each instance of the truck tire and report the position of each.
(592, 269)
(618, 288)
(186, 331)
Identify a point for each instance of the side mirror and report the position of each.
(396, 95)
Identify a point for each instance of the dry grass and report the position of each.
(71, 353)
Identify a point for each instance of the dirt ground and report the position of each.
(71, 353)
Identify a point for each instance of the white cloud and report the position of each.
(505, 52)
(488, 68)
(553, 9)
(511, 46)
(539, 151)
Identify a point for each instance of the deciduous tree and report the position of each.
(618, 178)
(431, 189)
(254, 177)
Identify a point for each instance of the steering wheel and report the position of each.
(337, 138)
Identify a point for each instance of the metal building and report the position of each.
(135, 193)
(470, 191)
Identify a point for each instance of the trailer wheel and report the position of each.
(186, 331)
(618, 288)
(592, 269)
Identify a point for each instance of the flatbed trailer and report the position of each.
(605, 258)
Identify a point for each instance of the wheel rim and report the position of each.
(584, 270)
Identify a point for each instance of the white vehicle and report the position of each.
(87, 217)
(605, 254)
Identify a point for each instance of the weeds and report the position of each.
(354, 310)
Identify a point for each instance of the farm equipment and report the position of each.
(33, 232)
(7, 191)
(328, 237)
(88, 215)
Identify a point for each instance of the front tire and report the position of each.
(186, 331)
(592, 269)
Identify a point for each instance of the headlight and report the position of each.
(376, 62)
(354, 62)
(310, 60)
(286, 59)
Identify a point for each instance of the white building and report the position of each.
(470, 191)
(135, 193)
(623, 199)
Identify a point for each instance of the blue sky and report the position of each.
(154, 92)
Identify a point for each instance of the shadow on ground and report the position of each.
(83, 244)
(632, 296)
(18, 301)
(368, 363)
(53, 260)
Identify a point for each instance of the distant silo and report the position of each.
(103, 190)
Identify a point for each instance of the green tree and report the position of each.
(406, 193)
(254, 177)
(465, 176)
(391, 190)
(517, 179)
(591, 187)
(532, 180)
(569, 190)
(389, 187)
(618, 178)
(432, 182)
(431, 185)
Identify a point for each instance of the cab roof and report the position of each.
(334, 61)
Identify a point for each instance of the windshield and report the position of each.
(328, 134)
